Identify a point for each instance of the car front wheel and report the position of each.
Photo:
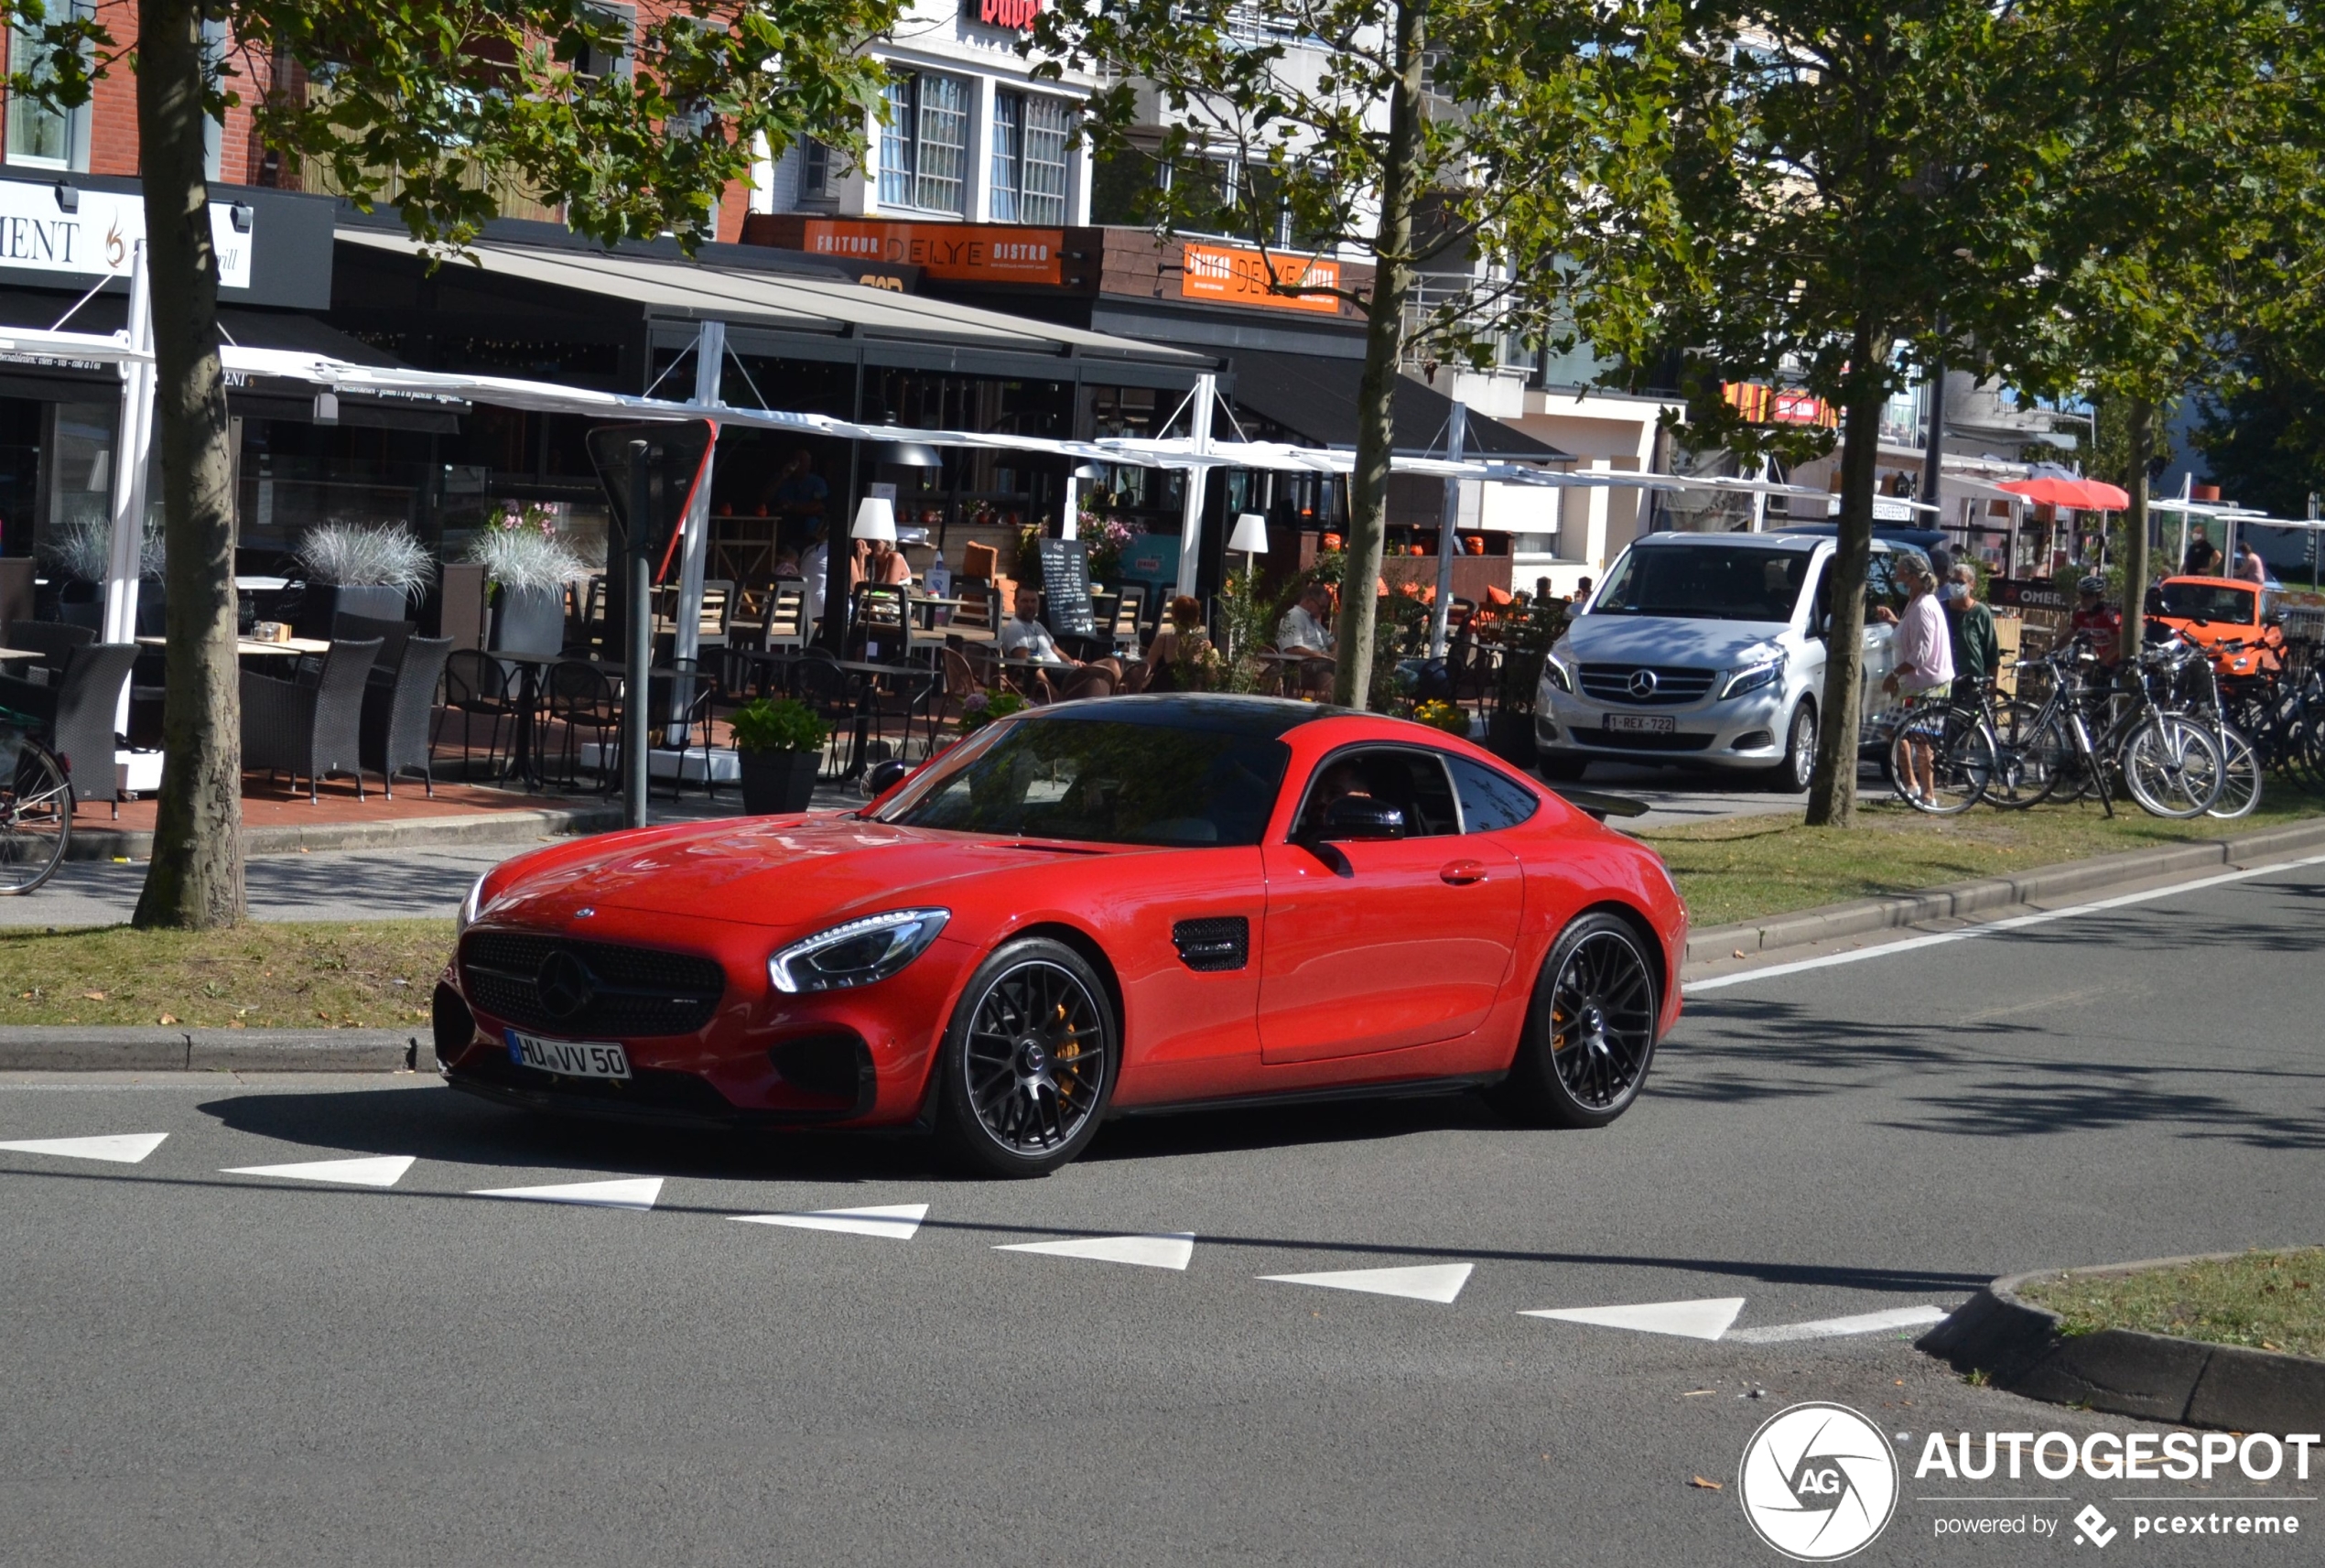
(1591, 1034)
(1791, 776)
(1028, 1063)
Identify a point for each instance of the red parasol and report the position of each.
(2083, 494)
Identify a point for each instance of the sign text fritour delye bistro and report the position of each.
(99, 236)
(1240, 276)
(977, 253)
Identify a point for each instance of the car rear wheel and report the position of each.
(1029, 1062)
(1591, 1035)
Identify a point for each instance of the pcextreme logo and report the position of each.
(1819, 1482)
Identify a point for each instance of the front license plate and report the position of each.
(1642, 723)
(572, 1058)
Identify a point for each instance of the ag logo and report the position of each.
(1819, 1482)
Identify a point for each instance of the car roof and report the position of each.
(1259, 718)
(1783, 540)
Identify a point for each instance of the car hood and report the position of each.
(1672, 639)
(779, 872)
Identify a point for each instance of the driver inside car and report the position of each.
(1335, 784)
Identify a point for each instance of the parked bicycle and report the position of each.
(2094, 726)
(36, 806)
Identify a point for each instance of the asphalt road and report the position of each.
(203, 1367)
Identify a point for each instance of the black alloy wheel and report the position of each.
(1592, 1033)
(1029, 1061)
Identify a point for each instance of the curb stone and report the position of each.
(472, 827)
(2023, 1349)
(37, 1048)
(1855, 919)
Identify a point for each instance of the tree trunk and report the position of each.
(1833, 785)
(196, 879)
(1384, 346)
(2140, 427)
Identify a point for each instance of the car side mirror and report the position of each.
(1360, 817)
(885, 776)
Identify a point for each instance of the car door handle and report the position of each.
(1461, 873)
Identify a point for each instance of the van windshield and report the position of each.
(1708, 582)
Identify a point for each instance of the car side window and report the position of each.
(1881, 584)
(1414, 781)
(1489, 800)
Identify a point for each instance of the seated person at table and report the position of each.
(879, 562)
(1023, 636)
(786, 562)
(1306, 626)
(1180, 657)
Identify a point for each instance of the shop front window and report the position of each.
(923, 148)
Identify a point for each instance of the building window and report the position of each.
(923, 148)
(815, 169)
(1029, 137)
(39, 136)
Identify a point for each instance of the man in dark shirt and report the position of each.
(1977, 652)
(2202, 560)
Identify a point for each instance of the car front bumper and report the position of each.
(1744, 732)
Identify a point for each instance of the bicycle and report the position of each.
(1959, 742)
(2089, 732)
(36, 806)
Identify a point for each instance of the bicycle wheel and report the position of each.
(2031, 755)
(1959, 762)
(36, 818)
(2171, 765)
(2239, 774)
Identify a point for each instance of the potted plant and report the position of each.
(981, 708)
(779, 749)
(77, 558)
(1441, 715)
(363, 571)
(528, 567)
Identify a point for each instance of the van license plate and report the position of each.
(1642, 723)
(573, 1058)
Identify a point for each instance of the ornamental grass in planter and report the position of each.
(779, 749)
(375, 572)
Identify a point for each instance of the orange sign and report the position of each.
(1240, 278)
(1015, 15)
(973, 252)
(1779, 404)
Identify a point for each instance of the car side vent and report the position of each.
(1222, 942)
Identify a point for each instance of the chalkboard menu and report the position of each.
(1065, 589)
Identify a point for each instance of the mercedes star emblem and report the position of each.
(564, 985)
(1642, 684)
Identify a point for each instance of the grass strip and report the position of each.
(1749, 868)
(379, 975)
(2263, 1300)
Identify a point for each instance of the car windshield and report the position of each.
(1105, 782)
(1708, 582)
(2208, 601)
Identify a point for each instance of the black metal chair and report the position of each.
(678, 708)
(398, 714)
(477, 685)
(315, 730)
(76, 713)
(582, 700)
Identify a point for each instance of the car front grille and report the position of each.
(600, 990)
(1626, 741)
(1670, 683)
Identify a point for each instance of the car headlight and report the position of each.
(1751, 677)
(858, 953)
(1555, 673)
(470, 906)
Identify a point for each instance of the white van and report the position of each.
(1708, 649)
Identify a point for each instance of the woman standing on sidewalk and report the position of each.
(1924, 664)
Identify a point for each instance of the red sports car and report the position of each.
(1099, 908)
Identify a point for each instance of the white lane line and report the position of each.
(121, 1147)
(382, 1171)
(1428, 1283)
(1171, 1250)
(637, 1193)
(896, 1221)
(1834, 1327)
(2015, 923)
(1706, 1319)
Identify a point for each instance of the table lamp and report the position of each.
(1251, 536)
(875, 520)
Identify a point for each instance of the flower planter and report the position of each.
(776, 781)
(529, 620)
(320, 606)
(1510, 735)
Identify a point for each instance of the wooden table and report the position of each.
(10, 656)
(296, 647)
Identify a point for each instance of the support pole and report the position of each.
(1198, 475)
(637, 739)
(124, 560)
(1448, 528)
(1933, 455)
(710, 364)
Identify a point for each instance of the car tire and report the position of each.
(1590, 1030)
(1564, 770)
(1791, 776)
(1029, 1062)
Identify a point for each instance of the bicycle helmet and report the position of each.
(2093, 584)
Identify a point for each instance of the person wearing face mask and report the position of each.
(1977, 652)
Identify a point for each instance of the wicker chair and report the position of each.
(76, 713)
(52, 640)
(391, 634)
(397, 715)
(1085, 683)
(315, 730)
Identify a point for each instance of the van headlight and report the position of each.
(470, 906)
(858, 953)
(1555, 673)
(1751, 677)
